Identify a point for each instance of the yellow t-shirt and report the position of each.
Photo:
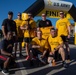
(32, 24)
(54, 42)
(18, 24)
(42, 43)
(45, 31)
(62, 26)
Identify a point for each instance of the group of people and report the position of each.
(41, 42)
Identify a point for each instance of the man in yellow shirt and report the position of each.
(56, 46)
(29, 27)
(40, 47)
(63, 28)
(19, 33)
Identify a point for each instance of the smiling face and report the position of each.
(9, 35)
(53, 32)
(61, 14)
(44, 17)
(19, 16)
(39, 34)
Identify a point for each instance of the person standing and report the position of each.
(19, 32)
(63, 30)
(45, 25)
(29, 26)
(9, 25)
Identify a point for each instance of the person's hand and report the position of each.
(26, 27)
(42, 56)
(11, 55)
(51, 53)
(68, 36)
(39, 46)
(5, 36)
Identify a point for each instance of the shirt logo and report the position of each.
(47, 23)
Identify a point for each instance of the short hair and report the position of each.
(10, 13)
(43, 14)
(61, 12)
(19, 13)
(39, 31)
(52, 29)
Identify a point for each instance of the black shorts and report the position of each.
(36, 52)
(20, 39)
(14, 39)
(28, 40)
(64, 38)
(56, 55)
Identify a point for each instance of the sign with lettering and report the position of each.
(57, 5)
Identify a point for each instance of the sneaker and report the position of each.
(27, 58)
(64, 64)
(50, 63)
(5, 72)
(68, 57)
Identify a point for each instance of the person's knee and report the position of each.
(61, 50)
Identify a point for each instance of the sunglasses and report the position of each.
(19, 15)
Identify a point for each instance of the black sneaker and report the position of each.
(68, 57)
(5, 72)
(65, 64)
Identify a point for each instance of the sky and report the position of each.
(19, 6)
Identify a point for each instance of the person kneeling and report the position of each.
(39, 47)
(6, 57)
(56, 46)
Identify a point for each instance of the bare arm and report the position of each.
(3, 31)
(44, 53)
(24, 27)
(35, 46)
(5, 53)
(69, 29)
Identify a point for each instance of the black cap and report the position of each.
(10, 13)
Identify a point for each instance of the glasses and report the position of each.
(43, 16)
(19, 15)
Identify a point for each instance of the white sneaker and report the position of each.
(50, 63)
(5, 73)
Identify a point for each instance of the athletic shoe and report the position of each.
(50, 63)
(5, 72)
(64, 64)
